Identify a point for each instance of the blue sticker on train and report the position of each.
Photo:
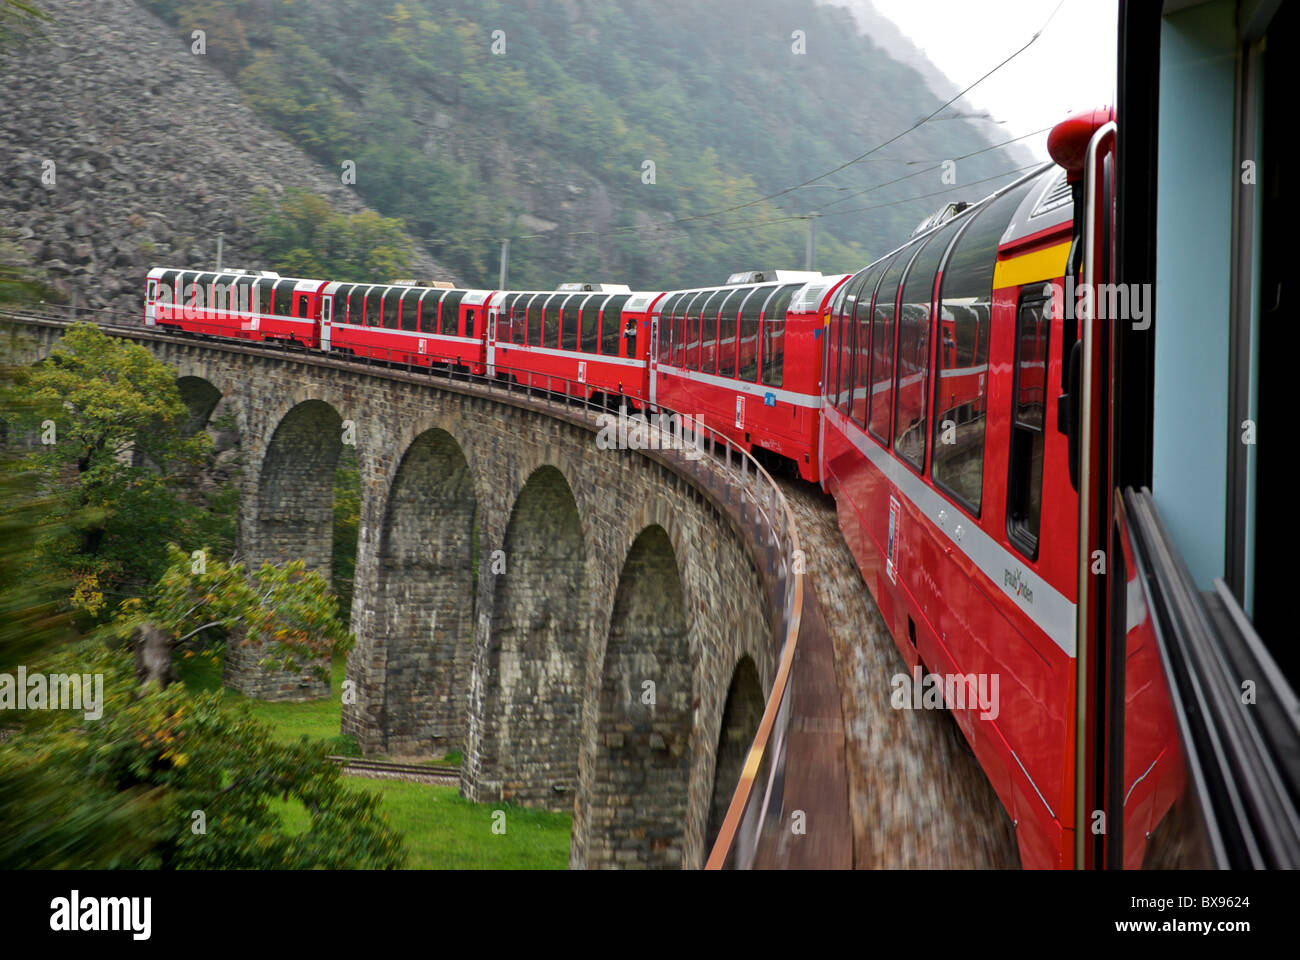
(769, 399)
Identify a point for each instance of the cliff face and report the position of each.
(122, 150)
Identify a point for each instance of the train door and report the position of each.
(492, 340)
(150, 297)
(326, 320)
(654, 357)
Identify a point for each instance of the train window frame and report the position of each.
(678, 356)
(282, 297)
(891, 335)
(765, 333)
(391, 307)
(984, 258)
(726, 314)
(409, 306)
(862, 318)
(920, 262)
(570, 321)
(664, 326)
(265, 297)
(589, 322)
(451, 298)
(422, 315)
(611, 327)
(762, 294)
(505, 314)
(846, 343)
(526, 307)
(1027, 544)
(549, 331)
(711, 308)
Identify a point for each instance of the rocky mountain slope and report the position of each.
(122, 150)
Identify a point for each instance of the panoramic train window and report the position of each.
(684, 309)
(282, 298)
(449, 313)
(591, 323)
(881, 399)
(774, 336)
(243, 295)
(373, 298)
(507, 322)
(747, 341)
(569, 321)
(411, 309)
(507, 314)
(862, 356)
(666, 326)
(1028, 418)
(706, 356)
(913, 366)
(691, 331)
(611, 325)
(392, 305)
(514, 333)
(961, 388)
(842, 321)
(727, 322)
(265, 296)
(341, 303)
(429, 311)
(205, 282)
(546, 309)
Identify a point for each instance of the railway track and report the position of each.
(441, 774)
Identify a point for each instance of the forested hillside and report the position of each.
(535, 119)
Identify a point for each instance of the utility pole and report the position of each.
(810, 254)
(505, 262)
(221, 236)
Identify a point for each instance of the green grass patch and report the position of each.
(444, 831)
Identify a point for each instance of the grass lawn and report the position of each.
(442, 829)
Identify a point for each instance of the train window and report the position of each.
(428, 311)
(961, 388)
(244, 299)
(265, 296)
(546, 307)
(726, 349)
(911, 377)
(530, 316)
(666, 325)
(371, 299)
(506, 314)
(724, 341)
(774, 336)
(411, 309)
(167, 286)
(205, 281)
(569, 321)
(747, 340)
(881, 399)
(705, 357)
(591, 323)
(1028, 417)
(843, 321)
(449, 313)
(611, 325)
(392, 306)
(856, 314)
(282, 298)
(680, 325)
(471, 319)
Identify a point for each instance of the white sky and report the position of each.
(1071, 67)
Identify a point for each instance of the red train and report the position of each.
(936, 394)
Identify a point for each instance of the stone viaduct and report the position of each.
(592, 629)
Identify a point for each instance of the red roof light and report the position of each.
(1068, 141)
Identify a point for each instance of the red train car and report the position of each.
(405, 323)
(951, 474)
(234, 303)
(589, 334)
(746, 358)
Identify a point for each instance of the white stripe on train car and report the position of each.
(1047, 607)
(810, 401)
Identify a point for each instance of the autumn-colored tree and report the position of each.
(285, 608)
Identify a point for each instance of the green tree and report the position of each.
(115, 460)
